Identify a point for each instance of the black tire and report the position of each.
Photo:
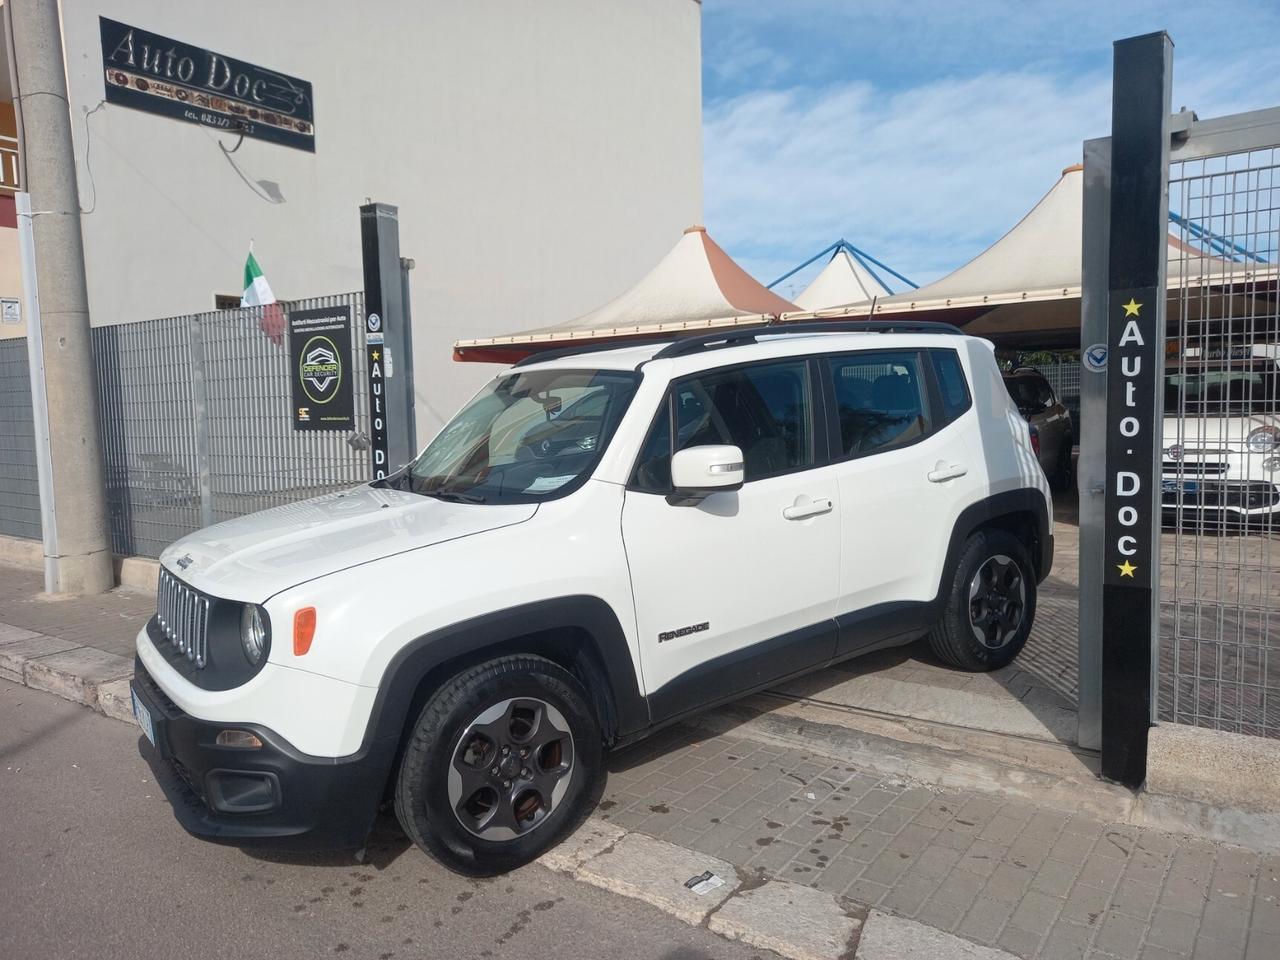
(954, 640)
(428, 772)
(1064, 471)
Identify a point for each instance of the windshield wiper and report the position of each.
(453, 496)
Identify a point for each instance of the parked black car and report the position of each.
(1052, 433)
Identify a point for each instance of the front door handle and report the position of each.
(946, 471)
(806, 507)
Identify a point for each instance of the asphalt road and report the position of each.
(92, 864)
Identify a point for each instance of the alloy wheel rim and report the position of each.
(997, 601)
(510, 768)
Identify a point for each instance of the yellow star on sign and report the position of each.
(1131, 308)
(1126, 569)
(375, 354)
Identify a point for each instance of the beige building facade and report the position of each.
(542, 156)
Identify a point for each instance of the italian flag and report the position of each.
(257, 292)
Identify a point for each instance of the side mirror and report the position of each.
(699, 471)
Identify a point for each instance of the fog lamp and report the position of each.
(238, 738)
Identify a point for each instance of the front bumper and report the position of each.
(1200, 493)
(273, 795)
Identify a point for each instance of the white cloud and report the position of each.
(973, 113)
(923, 179)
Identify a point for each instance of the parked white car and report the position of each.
(1222, 433)
(597, 545)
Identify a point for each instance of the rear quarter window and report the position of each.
(951, 383)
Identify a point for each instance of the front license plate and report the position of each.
(1185, 486)
(143, 716)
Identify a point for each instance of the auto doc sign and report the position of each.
(1131, 441)
(147, 71)
(320, 369)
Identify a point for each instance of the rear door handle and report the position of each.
(946, 471)
(806, 507)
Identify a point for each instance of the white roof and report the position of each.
(695, 286)
(842, 282)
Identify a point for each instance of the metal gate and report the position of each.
(19, 490)
(1217, 657)
(1219, 632)
(196, 427)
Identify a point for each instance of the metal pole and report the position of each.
(81, 560)
(389, 359)
(1136, 307)
(1091, 470)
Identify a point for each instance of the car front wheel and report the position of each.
(500, 765)
(990, 606)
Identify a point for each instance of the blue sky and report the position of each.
(922, 131)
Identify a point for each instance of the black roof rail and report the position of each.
(733, 336)
(679, 346)
(586, 348)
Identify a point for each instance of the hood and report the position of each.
(254, 557)
(1225, 431)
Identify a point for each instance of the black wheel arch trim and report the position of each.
(1027, 500)
(603, 660)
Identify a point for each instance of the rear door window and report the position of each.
(881, 400)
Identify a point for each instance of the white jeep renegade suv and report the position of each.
(599, 544)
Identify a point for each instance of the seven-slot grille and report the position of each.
(183, 617)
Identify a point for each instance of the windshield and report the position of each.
(526, 437)
(1211, 390)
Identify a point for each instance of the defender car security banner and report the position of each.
(320, 369)
(147, 71)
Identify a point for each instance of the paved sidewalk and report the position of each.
(1036, 883)
(108, 622)
(79, 648)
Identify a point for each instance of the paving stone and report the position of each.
(589, 840)
(790, 919)
(1055, 877)
(654, 871)
(1173, 929)
(1135, 899)
(1209, 949)
(985, 919)
(1120, 936)
(886, 937)
(1066, 941)
(1019, 942)
(10, 633)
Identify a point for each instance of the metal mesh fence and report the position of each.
(19, 490)
(1219, 654)
(195, 414)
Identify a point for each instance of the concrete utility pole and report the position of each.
(73, 497)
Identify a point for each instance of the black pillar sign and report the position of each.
(1135, 373)
(377, 364)
(320, 369)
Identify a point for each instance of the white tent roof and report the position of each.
(842, 282)
(1040, 260)
(695, 286)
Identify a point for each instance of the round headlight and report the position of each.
(1271, 464)
(1262, 439)
(253, 633)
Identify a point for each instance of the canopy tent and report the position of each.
(848, 279)
(696, 286)
(1025, 288)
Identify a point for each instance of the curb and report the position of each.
(793, 920)
(74, 672)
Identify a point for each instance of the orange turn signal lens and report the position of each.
(304, 629)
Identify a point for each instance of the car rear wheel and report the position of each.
(990, 605)
(499, 766)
